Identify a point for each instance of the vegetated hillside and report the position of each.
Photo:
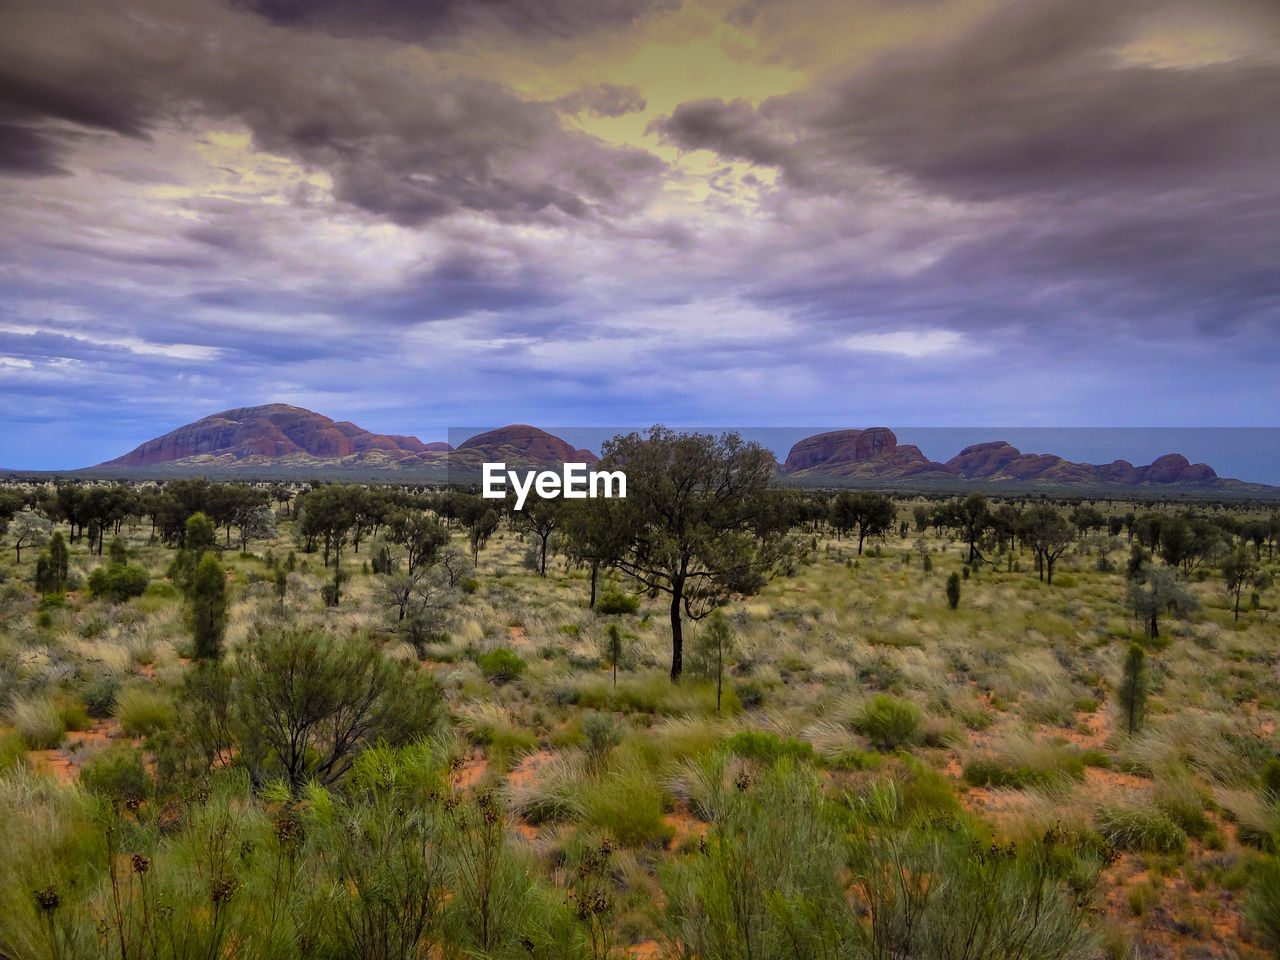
(518, 444)
(279, 440)
(900, 718)
(874, 454)
(274, 433)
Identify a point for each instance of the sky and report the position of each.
(769, 212)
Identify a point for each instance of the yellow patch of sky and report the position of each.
(1180, 37)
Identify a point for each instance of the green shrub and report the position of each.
(143, 710)
(99, 693)
(118, 582)
(501, 665)
(38, 720)
(613, 603)
(1271, 779)
(852, 759)
(1263, 905)
(13, 751)
(993, 773)
(601, 731)
(1143, 828)
(162, 590)
(629, 805)
(116, 773)
(73, 714)
(889, 723)
(953, 589)
(765, 747)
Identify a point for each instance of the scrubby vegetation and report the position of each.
(350, 721)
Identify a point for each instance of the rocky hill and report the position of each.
(876, 453)
(519, 444)
(273, 433)
(278, 436)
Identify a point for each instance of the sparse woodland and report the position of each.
(309, 720)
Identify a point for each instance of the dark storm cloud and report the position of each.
(463, 283)
(406, 147)
(434, 20)
(736, 130)
(26, 151)
(603, 100)
(1097, 191)
(1034, 100)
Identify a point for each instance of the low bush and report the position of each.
(629, 805)
(765, 747)
(889, 723)
(615, 603)
(116, 773)
(118, 582)
(501, 665)
(143, 710)
(1143, 828)
(602, 732)
(13, 751)
(38, 720)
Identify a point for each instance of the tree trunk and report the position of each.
(1237, 604)
(1049, 568)
(542, 562)
(677, 636)
(595, 572)
(719, 674)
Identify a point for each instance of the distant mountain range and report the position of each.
(279, 438)
(278, 435)
(875, 453)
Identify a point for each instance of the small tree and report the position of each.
(1133, 687)
(719, 640)
(207, 607)
(481, 531)
(282, 586)
(53, 567)
(613, 648)
(1049, 534)
(1155, 590)
(699, 522)
(29, 530)
(953, 590)
(1239, 569)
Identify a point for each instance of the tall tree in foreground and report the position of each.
(696, 523)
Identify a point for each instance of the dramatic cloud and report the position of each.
(413, 215)
(438, 19)
(603, 100)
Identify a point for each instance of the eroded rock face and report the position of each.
(272, 431)
(875, 452)
(521, 443)
(983, 459)
(858, 453)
